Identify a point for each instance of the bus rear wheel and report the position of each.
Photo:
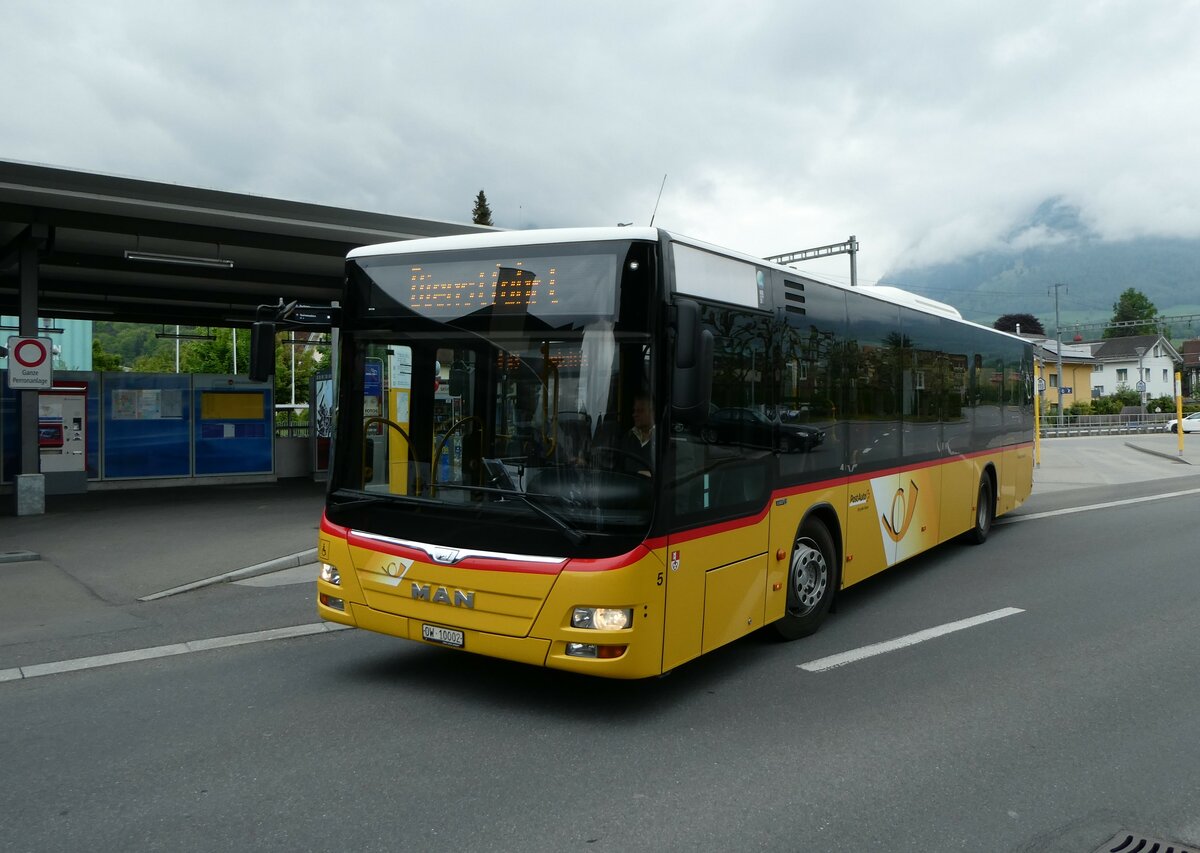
(985, 512)
(811, 583)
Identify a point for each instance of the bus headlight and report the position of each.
(602, 618)
(330, 574)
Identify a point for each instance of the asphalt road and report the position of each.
(1047, 729)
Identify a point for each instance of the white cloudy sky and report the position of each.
(928, 130)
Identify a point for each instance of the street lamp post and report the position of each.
(1141, 381)
(1058, 336)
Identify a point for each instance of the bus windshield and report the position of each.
(500, 403)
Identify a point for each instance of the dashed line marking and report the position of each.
(854, 655)
(1013, 519)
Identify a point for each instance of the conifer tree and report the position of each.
(482, 214)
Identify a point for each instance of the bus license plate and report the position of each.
(445, 636)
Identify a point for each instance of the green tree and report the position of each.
(216, 356)
(1030, 325)
(1116, 401)
(482, 214)
(103, 360)
(161, 359)
(1132, 305)
(306, 360)
(1165, 403)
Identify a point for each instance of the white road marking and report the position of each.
(57, 667)
(1013, 519)
(834, 661)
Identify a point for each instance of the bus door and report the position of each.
(718, 494)
(717, 550)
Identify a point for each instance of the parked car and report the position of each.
(736, 425)
(1191, 423)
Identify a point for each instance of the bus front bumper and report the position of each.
(537, 651)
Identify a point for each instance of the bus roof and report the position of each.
(545, 236)
(493, 239)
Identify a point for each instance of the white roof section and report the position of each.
(546, 236)
(502, 239)
(910, 300)
(1072, 351)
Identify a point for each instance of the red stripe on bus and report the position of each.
(607, 564)
(720, 527)
(484, 564)
(332, 529)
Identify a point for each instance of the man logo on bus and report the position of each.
(423, 592)
(903, 509)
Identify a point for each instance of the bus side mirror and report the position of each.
(262, 351)
(691, 380)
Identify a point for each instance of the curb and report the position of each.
(1174, 457)
(289, 562)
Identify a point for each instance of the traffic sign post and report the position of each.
(30, 364)
(30, 370)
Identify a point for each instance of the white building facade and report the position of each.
(1122, 362)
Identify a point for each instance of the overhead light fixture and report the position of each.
(185, 336)
(178, 260)
(47, 330)
(91, 312)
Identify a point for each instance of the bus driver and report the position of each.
(639, 441)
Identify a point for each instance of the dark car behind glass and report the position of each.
(751, 427)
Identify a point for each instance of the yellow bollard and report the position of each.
(1179, 409)
(1037, 418)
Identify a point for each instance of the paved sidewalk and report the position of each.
(126, 544)
(1080, 462)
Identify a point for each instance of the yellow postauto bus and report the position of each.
(612, 450)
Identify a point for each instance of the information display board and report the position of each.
(235, 432)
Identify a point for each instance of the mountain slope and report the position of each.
(1095, 272)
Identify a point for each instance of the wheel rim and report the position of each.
(808, 577)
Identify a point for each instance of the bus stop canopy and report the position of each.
(111, 248)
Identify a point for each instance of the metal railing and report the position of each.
(290, 424)
(1061, 426)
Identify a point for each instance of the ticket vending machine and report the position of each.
(62, 438)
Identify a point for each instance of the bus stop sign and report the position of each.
(30, 366)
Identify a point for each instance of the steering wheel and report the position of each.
(640, 463)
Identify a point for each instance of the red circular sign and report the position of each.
(38, 360)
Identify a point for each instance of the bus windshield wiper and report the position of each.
(576, 536)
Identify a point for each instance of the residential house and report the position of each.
(1077, 367)
(1123, 361)
(1191, 367)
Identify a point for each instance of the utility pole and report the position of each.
(850, 247)
(1058, 332)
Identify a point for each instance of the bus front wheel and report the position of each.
(812, 580)
(985, 512)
